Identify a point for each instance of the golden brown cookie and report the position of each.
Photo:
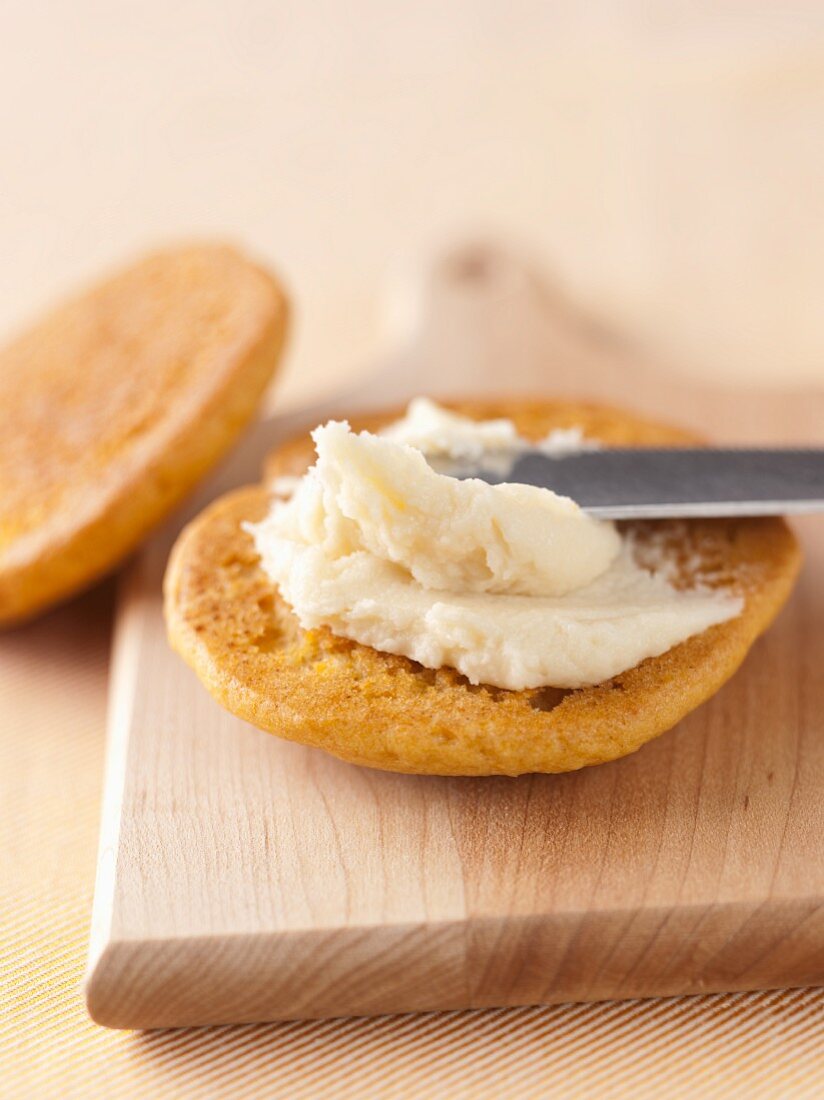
(372, 708)
(116, 404)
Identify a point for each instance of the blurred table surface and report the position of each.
(665, 159)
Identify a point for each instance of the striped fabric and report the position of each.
(52, 701)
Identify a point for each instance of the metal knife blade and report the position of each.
(617, 483)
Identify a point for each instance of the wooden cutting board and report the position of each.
(242, 878)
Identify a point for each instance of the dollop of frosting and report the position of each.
(512, 585)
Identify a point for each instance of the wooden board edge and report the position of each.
(122, 679)
(372, 971)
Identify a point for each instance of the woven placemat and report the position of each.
(52, 718)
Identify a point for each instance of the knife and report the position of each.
(647, 483)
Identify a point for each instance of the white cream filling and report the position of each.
(513, 586)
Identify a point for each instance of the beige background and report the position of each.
(666, 158)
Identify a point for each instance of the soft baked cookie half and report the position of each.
(114, 405)
(229, 623)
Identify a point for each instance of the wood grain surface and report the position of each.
(243, 878)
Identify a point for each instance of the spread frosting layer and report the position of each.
(512, 585)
